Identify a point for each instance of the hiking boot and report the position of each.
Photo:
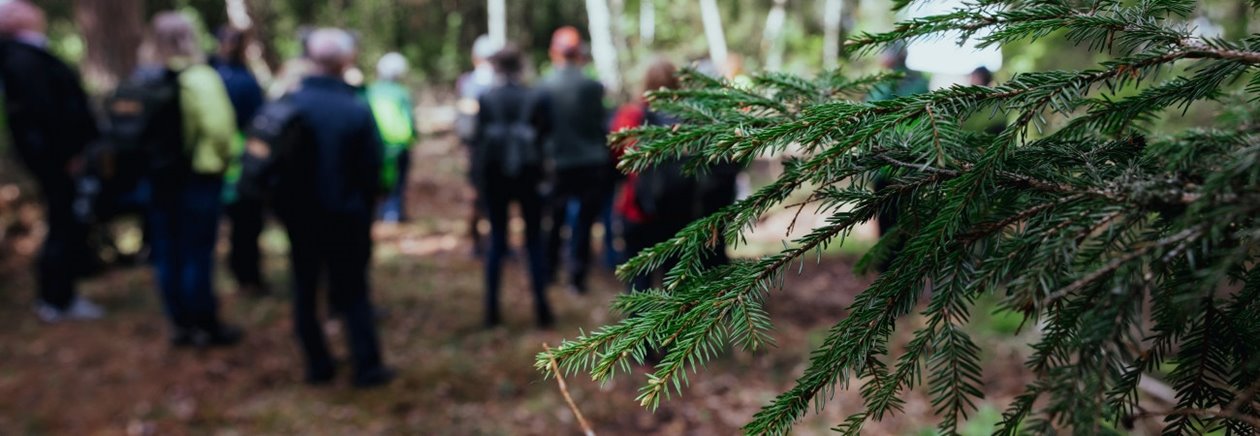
(219, 336)
(182, 337)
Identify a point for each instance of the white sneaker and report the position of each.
(79, 310)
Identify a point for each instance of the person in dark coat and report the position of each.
(245, 214)
(502, 180)
(329, 221)
(51, 124)
(578, 151)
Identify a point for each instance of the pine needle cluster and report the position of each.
(1130, 250)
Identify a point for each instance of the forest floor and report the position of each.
(120, 376)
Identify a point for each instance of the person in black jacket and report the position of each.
(329, 212)
(244, 214)
(577, 148)
(51, 124)
(508, 168)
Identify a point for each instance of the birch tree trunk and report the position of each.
(112, 31)
(647, 23)
(602, 48)
(713, 32)
(833, 14)
(496, 10)
(772, 38)
(617, 9)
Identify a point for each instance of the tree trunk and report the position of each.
(602, 47)
(496, 10)
(833, 14)
(772, 38)
(647, 23)
(617, 9)
(713, 32)
(112, 31)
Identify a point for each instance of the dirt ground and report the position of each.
(119, 376)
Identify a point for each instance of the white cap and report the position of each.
(392, 66)
(484, 48)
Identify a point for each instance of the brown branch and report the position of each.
(1243, 398)
(936, 135)
(987, 229)
(792, 225)
(1137, 251)
(564, 391)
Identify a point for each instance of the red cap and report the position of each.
(566, 40)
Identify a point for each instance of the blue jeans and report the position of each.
(394, 208)
(589, 187)
(185, 228)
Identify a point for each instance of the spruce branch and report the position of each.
(1123, 242)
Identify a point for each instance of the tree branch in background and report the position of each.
(564, 391)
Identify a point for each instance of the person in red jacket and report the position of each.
(652, 215)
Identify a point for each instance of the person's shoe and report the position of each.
(47, 313)
(223, 335)
(320, 378)
(576, 289)
(80, 309)
(374, 378)
(182, 337)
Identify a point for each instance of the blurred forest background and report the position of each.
(797, 36)
(118, 375)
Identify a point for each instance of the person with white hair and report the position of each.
(328, 209)
(395, 119)
(187, 179)
(470, 86)
(50, 122)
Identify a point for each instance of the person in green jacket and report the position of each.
(392, 106)
(185, 210)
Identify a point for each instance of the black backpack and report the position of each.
(510, 144)
(144, 133)
(271, 168)
(664, 191)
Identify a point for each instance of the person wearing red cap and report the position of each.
(577, 151)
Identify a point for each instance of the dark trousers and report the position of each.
(244, 257)
(497, 193)
(342, 246)
(589, 187)
(64, 251)
(887, 219)
(718, 193)
(184, 223)
(394, 208)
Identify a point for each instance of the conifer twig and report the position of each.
(564, 391)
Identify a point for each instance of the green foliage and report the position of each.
(1127, 249)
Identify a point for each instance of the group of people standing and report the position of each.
(545, 147)
(175, 138)
(201, 141)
